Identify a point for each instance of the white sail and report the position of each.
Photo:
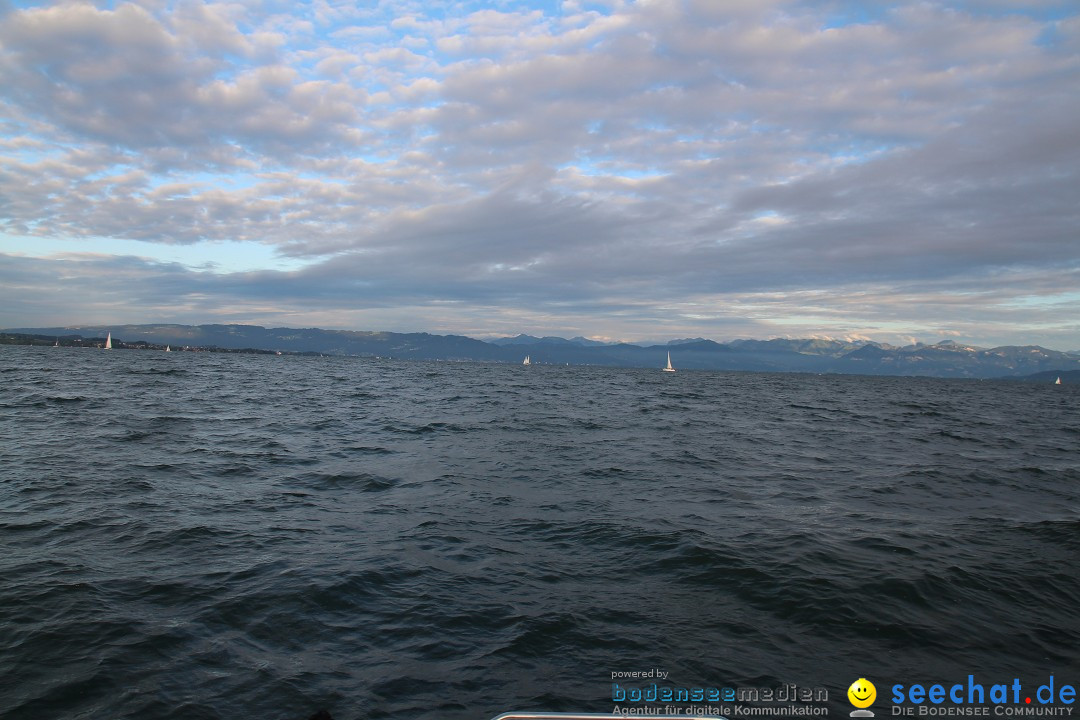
(108, 342)
(669, 368)
(168, 349)
(527, 361)
(1058, 381)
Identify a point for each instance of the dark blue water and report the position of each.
(193, 535)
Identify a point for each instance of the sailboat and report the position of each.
(108, 342)
(669, 368)
(168, 349)
(1058, 381)
(527, 361)
(57, 343)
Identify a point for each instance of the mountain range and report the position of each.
(943, 359)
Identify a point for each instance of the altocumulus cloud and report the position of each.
(629, 169)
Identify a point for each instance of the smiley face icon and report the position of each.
(862, 693)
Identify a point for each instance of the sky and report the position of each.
(619, 170)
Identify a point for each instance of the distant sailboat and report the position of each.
(108, 342)
(1058, 381)
(57, 343)
(527, 361)
(669, 368)
(168, 349)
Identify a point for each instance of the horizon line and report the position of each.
(485, 337)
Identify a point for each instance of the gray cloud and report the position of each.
(125, 78)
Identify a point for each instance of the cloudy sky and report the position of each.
(616, 169)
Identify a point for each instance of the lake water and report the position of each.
(195, 535)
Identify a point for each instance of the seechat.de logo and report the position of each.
(862, 694)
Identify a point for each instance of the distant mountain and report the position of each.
(1068, 377)
(417, 346)
(586, 342)
(944, 359)
(530, 340)
(548, 340)
(834, 348)
(948, 359)
(516, 340)
(871, 353)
